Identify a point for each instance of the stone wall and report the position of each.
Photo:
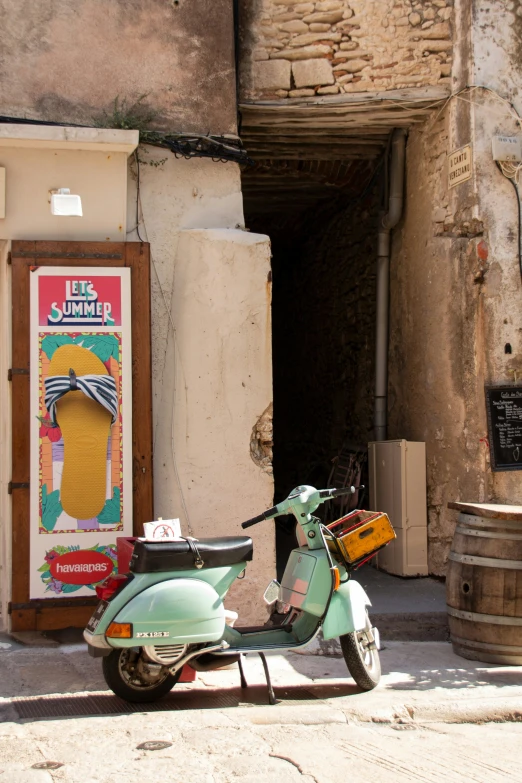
(434, 392)
(456, 292)
(328, 47)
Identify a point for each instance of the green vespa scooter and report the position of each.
(169, 611)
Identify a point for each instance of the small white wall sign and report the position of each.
(460, 166)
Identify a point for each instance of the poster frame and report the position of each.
(49, 614)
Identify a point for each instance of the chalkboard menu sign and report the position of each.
(504, 409)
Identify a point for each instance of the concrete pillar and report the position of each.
(216, 394)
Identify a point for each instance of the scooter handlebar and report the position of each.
(261, 518)
(324, 494)
(336, 493)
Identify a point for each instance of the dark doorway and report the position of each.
(321, 216)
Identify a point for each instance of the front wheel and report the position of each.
(130, 676)
(362, 656)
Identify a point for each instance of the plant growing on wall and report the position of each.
(138, 115)
(134, 116)
(130, 116)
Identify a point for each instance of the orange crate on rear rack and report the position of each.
(359, 535)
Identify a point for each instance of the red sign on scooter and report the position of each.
(82, 567)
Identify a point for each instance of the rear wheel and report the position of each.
(362, 656)
(131, 677)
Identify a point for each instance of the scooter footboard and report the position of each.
(347, 611)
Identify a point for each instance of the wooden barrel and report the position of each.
(484, 583)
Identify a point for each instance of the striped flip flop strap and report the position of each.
(100, 388)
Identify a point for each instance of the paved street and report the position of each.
(226, 746)
(427, 721)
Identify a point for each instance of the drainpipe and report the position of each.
(235, 18)
(387, 221)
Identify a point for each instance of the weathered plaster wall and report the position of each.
(456, 291)
(299, 49)
(176, 195)
(433, 387)
(216, 385)
(100, 178)
(68, 60)
(497, 59)
(213, 382)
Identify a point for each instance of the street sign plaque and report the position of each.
(460, 163)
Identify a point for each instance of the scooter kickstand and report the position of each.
(271, 696)
(244, 683)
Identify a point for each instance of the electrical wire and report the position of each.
(510, 170)
(138, 197)
(514, 182)
(473, 88)
(222, 148)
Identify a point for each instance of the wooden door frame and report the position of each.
(49, 614)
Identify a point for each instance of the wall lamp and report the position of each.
(65, 204)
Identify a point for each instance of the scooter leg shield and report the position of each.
(347, 611)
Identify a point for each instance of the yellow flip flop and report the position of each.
(76, 399)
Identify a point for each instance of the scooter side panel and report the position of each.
(347, 610)
(219, 578)
(178, 611)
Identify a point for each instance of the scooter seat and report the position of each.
(151, 556)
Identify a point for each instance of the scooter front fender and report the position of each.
(176, 611)
(347, 610)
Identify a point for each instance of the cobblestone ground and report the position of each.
(223, 746)
(434, 717)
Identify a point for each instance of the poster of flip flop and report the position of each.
(81, 427)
